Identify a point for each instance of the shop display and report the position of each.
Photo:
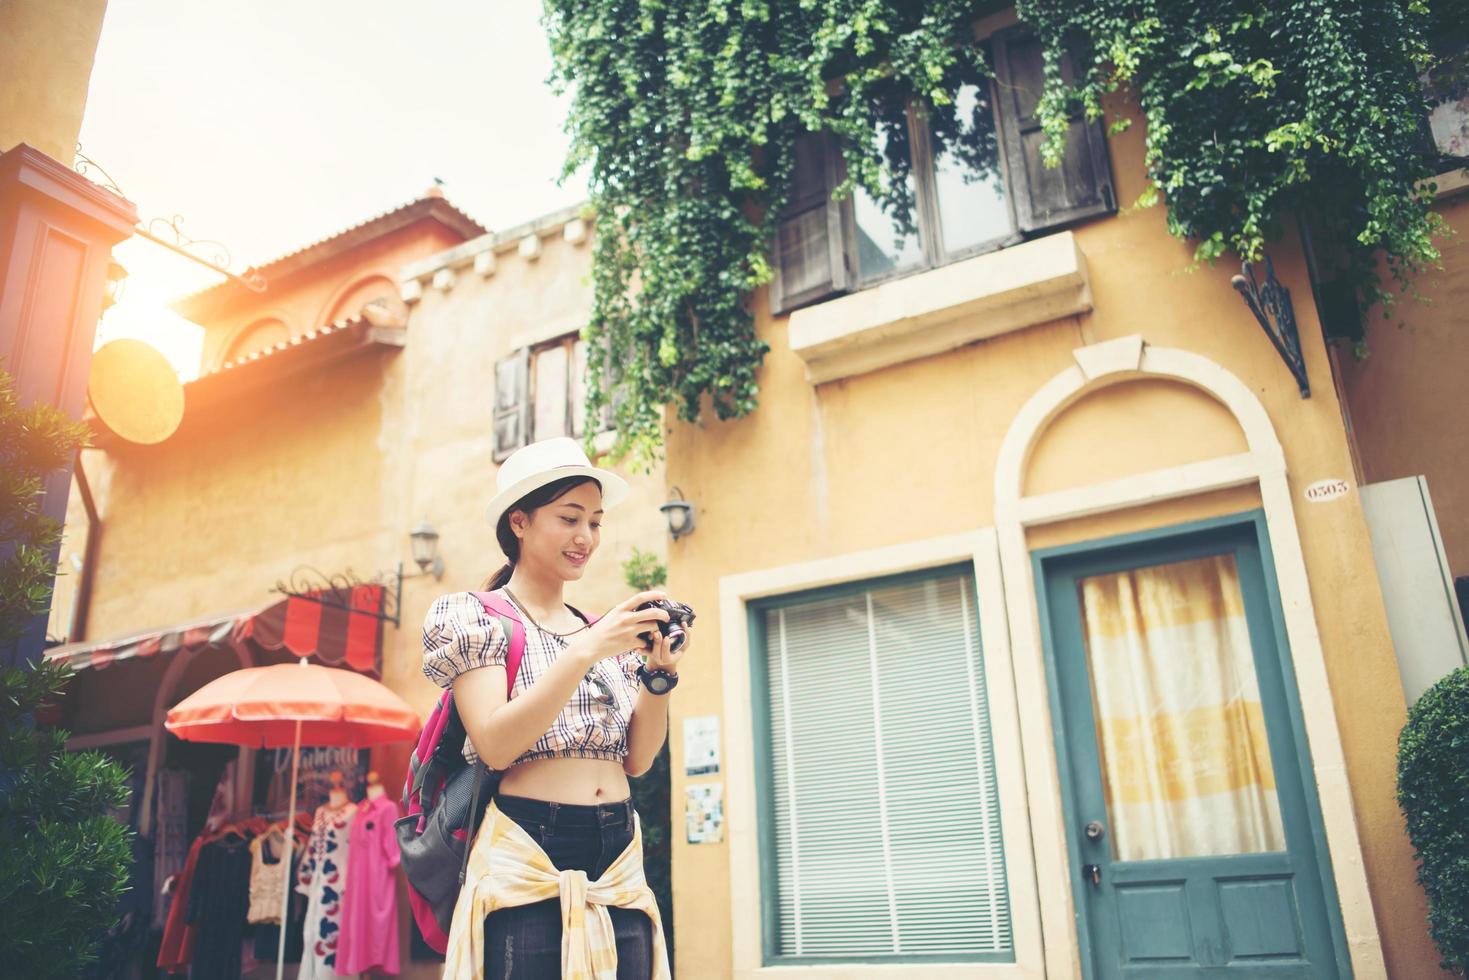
(321, 878)
(217, 903)
(209, 919)
(170, 833)
(177, 949)
(267, 876)
(225, 904)
(369, 938)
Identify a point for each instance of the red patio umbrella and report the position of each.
(284, 704)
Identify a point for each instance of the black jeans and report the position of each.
(524, 943)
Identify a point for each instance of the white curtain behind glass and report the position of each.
(1185, 765)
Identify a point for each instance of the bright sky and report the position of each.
(271, 124)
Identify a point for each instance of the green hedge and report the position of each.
(1433, 790)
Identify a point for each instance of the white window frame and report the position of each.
(981, 549)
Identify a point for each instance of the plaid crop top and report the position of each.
(459, 635)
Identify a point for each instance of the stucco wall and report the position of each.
(46, 54)
(909, 452)
(1404, 397)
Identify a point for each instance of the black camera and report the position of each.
(679, 618)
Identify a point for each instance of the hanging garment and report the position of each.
(170, 833)
(267, 876)
(321, 878)
(268, 935)
(177, 948)
(370, 902)
(217, 903)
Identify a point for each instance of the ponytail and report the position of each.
(501, 578)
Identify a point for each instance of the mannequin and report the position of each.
(321, 877)
(338, 796)
(369, 934)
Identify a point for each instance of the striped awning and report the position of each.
(341, 630)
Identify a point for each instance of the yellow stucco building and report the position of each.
(997, 508)
(1046, 628)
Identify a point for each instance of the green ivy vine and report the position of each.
(1260, 114)
(684, 116)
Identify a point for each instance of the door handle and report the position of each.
(1092, 871)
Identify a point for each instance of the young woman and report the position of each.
(581, 718)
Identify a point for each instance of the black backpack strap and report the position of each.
(474, 822)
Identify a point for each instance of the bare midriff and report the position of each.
(584, 782)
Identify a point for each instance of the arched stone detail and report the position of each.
(259, 334)
(347, 301)
(1116, 362)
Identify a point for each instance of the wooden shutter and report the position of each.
(811, 260)
(1046, 197)
(882, 801)
(512, 403)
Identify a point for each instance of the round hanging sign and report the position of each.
(135, 391)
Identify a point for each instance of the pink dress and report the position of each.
(369, 939)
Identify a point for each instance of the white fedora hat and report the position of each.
(532, 467)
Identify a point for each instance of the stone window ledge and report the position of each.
(1451, 183)
(936, 311)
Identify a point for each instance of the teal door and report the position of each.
(1195, 840)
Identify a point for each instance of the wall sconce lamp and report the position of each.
(425, 539)
(112, 289)
(680, 514)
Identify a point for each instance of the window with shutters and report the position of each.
(540, 393)
(880, 833)
(969, 179)
(1446, 86)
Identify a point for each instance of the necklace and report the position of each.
(523, 608)
(604, 694)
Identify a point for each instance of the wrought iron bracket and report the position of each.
(216, 257)
(336, 590)
(1270, 302)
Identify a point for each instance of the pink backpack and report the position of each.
(444, 800)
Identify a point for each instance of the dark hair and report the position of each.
(509, 543)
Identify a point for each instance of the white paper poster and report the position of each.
(701, 746)
(704, 812)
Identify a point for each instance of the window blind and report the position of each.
(880, 781)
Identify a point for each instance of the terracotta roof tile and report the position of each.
(432, 204)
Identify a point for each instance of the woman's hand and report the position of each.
(661, 656)
(619, 631)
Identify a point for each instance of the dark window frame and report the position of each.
(926, 203)
(1444, 162)
(1028, 221)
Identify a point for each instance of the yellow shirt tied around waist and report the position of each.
(507, 868)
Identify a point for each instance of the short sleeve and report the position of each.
(459, 635)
